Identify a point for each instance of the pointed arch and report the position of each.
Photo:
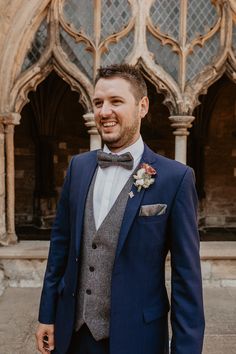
(20, 34)
(17, 84)
(162, 84)
(35, 75)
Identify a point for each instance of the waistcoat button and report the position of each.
(88, 291)
(91, 269)
(94, 246)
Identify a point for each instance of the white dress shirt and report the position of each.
(111, 180)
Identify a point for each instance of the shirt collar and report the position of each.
(135, 149)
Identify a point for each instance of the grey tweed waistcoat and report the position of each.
(97, 258)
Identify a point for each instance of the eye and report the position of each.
(116, 102)
(98, 104)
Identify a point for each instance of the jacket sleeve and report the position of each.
(58, 253)
(187, 315)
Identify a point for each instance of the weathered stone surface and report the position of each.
(218, 250)
(18, 308)
(229, 283)
(168, 271)
(224, 270)
(2, 282)
(24, 273)
(219, 344)
(206, 268)
(2, 220)
(220, 311)
(24, 263)
(19, 311)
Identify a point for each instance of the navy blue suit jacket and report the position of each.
(139, 302)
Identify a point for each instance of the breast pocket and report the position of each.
(152, 219)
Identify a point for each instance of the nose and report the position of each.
(106, 110)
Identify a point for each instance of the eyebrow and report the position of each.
(112, 97)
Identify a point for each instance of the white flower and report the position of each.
(143, 178)
(140, 173)
(140, 182)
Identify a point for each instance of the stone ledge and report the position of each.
(25, 250)
(23, 265)
(222, 250)
(211, 250)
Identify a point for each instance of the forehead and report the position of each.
(114, 86)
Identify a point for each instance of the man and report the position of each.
(121, 210)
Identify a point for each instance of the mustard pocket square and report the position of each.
(152, 209)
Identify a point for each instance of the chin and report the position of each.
(109, 139)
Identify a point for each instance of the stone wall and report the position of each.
(23, 265)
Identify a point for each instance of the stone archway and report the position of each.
(51, 131)
(212, 154)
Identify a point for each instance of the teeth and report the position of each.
(109, 124)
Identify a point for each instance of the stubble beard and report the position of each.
(123, 138)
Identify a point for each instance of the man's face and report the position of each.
(117, 114)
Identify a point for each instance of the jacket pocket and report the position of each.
(152, 219)
(153, 313)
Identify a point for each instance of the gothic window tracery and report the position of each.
(202, 16)
(187, 42)
(38, 46)
(186, 34)
(80, 16)
(77, 53)
(165, 16)
(96, 33)
(202, 56)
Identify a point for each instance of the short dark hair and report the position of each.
(127, 72)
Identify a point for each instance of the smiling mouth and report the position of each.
(108, 124)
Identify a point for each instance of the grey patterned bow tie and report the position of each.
(105, 160)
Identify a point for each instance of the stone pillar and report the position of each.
(181, 124)
(95, 139)
(2, 187)
(10, 120)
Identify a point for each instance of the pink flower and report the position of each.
(148, 169)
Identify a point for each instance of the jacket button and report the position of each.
(73, 294)
(91, 269)
(94, 246)
(77, 259)
(88, 291)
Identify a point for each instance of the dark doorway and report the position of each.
(51, 131)
(156, 130)
(212, 154)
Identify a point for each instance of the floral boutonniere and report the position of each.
(143, 177)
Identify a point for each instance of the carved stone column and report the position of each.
(10, 120)
(95, 139)
(181, 124)
(2, 186)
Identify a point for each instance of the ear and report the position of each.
(144, 105)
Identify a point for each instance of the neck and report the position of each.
(116, 149)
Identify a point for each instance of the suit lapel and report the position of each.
(84, 184)
(133, 203)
